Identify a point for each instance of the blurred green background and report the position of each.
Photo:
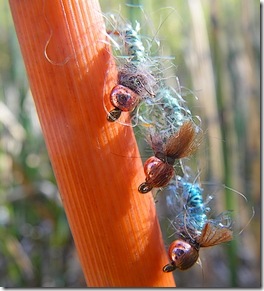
(216, 45)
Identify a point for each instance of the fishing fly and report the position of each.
(136, 80)
(159, 168)
(193, 227)
(193, 224)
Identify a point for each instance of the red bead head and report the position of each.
(124, 98)
(158, 174)
(182, 255)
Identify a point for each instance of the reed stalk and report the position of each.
(67, 60)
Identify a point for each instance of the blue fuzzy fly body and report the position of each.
(133, 43)
(194, 215)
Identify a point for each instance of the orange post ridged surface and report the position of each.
(67, 59)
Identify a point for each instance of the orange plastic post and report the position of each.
(67, 59)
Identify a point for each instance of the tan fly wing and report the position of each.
(212, 235)
(183, 143)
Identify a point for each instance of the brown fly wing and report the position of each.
(213, 235)
(183, 142)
